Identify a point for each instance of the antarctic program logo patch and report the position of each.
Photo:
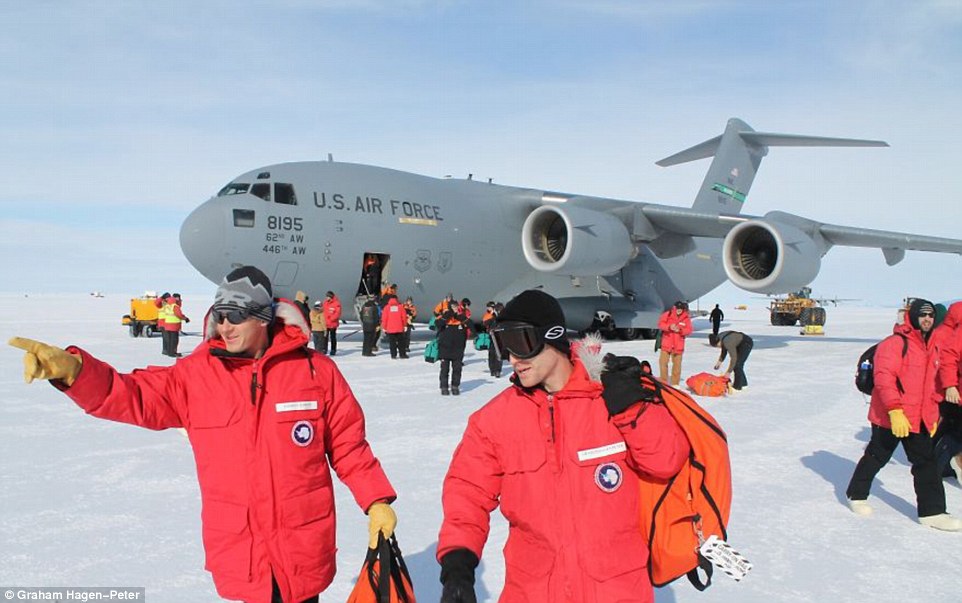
(608, 477)
(302, 433)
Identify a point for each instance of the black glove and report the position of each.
(457, 576)
(622, 381)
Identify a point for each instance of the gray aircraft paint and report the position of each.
(466, 237)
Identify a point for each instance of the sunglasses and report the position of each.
(521, 341)
(928, 314)
(234, 316)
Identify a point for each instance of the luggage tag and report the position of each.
(726, 558)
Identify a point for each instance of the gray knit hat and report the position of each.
(246, 288)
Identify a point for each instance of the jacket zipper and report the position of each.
(254, 386)
(551, 415)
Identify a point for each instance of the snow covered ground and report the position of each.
(85, 502)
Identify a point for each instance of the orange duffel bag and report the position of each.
(384, 576)
(680, 514)
(707, 384)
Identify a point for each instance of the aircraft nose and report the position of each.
(203, 238)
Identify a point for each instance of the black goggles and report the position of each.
(234, 316)
(521, 341)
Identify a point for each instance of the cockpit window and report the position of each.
(284, 193)
(234, 188)
(262, 190)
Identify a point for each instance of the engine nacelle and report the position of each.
(770, 257)
(575, 241)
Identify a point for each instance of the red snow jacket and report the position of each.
(393, 317)
(566, 479)
(671, 341)
(332, 312)
(947, 339)
(263, 432)
(914, 391)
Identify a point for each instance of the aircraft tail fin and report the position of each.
(737, 155)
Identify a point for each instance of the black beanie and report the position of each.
(246, 288)
(538, 309)
(917, 307)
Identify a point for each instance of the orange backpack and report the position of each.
(384, 576)
(679, 514)
(706, 384)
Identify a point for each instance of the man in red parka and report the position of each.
(394, 321)
(267, 418)
(561, 454)
(947, 340)
(675, 325)
(904, 411)
(332, 314)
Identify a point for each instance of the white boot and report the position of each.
(860, 507)
(943, 521)
(954, 464)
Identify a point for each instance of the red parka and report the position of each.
(393, 317)
(914, 372)
(566, 479)
(948, 341)
(332, 312)
(671, 341)
(265, 435)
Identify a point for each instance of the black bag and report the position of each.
(864, 373)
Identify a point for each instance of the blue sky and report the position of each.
(120, 117)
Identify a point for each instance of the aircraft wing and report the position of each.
(890, 242)
(684, 221)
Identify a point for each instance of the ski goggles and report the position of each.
(519, 340)
(234, 316)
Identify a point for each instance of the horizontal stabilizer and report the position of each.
(796, 140)
(768, 139)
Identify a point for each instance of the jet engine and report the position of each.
(575, 241)
(770, 257)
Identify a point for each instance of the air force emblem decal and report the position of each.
(302, 433)
(608, 477)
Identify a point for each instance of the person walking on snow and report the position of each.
(561, 454)
(675, 325)
(453, 331)
(393, 323)
(268, 418)
(716, 317)
(903, 410)
(947, 341)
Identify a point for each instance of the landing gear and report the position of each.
(604, 325)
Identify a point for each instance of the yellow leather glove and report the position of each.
(900, 425)
(43, 361)
(382, 520)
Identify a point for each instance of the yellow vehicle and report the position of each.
(798, 307)
(142, 319)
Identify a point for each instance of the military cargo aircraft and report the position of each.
(615, 264)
